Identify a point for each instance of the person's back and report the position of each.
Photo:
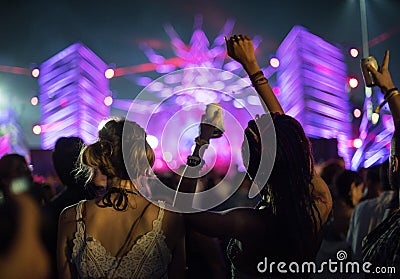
(65, 156)
(369, 214)
(121, 234)
(136, 243)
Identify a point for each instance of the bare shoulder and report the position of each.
(68, 214)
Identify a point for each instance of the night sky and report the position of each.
(33, 31)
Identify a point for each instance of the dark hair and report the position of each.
(288, 186)
(330, 171)
(394, 176)
(65, 158)
(343, 184)
(13, 166)
(384, 176)
(121, 153)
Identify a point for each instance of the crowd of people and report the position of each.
(102, 225)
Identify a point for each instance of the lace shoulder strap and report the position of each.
(80, 225)
(158, 222)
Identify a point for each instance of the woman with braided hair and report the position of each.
(122, 234)
(286, 225)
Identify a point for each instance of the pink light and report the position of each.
(363, 134)
(354, 52)
(37, 129)
(35, 72)
(109, 73)
(357, 113)
(357, 143)
(158, 164)
(34, 101)
(274, 62)
(353, 82)
(276, 90)
(63, 102)
(15, 70)
(108, 101)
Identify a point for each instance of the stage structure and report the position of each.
(312, 81)
(376, 132)
(72, 92)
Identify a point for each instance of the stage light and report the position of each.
(35, 72)
(354, 52)
(276, 90)
(152, 141)
(109, 73)
(158, 164)
(353, 82)
(374, 118)
(357, 113)
(37, 129)
(167, 156)
(108, 101)
(34, 101)
(357, 143)
(274, 62)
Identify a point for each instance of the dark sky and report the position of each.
(33, 31)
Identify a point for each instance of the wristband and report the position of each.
(256, 75)
(388, 93)
(259, 81)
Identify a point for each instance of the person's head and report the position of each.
(394, 172)
(121, 152)
(65, 157)
(13, 166)
(349, 186)
(288, 186)
(330, 170)
(373, 181)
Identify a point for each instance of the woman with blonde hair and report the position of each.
(122, 234)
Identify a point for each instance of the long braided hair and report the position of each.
(121, 153)
(288, 189)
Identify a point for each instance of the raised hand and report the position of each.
(241, 49)
(382, 76)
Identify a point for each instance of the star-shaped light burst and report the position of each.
(199, 74)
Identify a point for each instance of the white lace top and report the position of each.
(148, 258)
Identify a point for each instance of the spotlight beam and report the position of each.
(15, 70)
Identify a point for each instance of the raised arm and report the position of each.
(241, 49)
(384, 81)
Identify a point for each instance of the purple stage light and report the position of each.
(312, 78)
(73, 88)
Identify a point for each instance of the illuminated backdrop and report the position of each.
(72, 92)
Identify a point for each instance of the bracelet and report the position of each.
(201, 142)
(391, 95)
(255, 75)
(259, 81)
(194, 161)
(394, 89)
